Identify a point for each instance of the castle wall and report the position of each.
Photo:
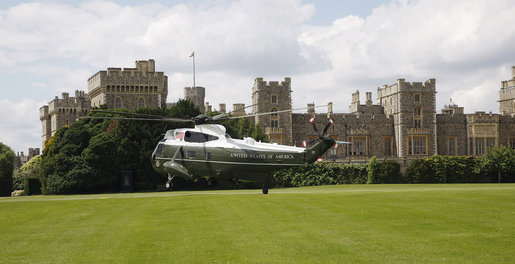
(62, 112)
(130, 85)
(415, 134)
(273, 96)
(507, 95)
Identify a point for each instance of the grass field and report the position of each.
(471, 223)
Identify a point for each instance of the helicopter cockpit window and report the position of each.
(192, 136)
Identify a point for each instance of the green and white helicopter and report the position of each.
(207, 151)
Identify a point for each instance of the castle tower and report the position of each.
(413, 107)
(62, 112)
(196, 95)
(507, 95)
(270, 97)
(222, 108)
(129, 88)
(238, 109)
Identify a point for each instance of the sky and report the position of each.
(330, 49)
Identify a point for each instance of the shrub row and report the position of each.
(497, 165)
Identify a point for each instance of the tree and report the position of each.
(6, 169)
(31, 169)
(373, 171)
(500, 162)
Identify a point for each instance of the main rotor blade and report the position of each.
(138, 119)
(342, 142)
(269, 113)
(327, 126)
(312, 121)
(222, 115)
(127, 113)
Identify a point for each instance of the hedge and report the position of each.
(32, 186)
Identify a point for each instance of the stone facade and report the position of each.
(273, 97)
(62, 112)
(129, 88)
(196, 95)
(21, 159)
(403, 124)
(507, 95)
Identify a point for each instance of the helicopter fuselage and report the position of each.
(207, 151)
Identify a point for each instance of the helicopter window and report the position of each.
(179, 135)
(159, 148)
(191, 154)
(191, 136)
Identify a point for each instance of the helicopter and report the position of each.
(208, 151)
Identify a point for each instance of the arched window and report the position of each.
(141, 102)
(417, 117)
(274, 118)
(118, 103)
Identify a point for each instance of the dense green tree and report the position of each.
(31, 169)
(88, 156)
(373, 171)
(499, 162)
(6, 169)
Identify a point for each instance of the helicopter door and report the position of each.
(213, 167)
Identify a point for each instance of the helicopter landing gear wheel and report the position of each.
(169, 185)
(266, 184)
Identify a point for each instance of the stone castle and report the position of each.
(62, 112)
(129, 88)
(403, 123)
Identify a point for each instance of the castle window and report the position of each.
(451, 146)
(118, 103)
(417, 98)
(417, 117)
(358, 146)
(274, 118)
(273, 99)
(479, 145)
(512, 142)
(417, 145)
(141, 102)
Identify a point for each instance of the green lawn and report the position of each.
(469, 223)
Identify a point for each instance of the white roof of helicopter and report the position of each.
(225, 141)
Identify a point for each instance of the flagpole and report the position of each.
(193, 55)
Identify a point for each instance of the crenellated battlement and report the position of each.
(129, 87)
(260, 84)
(482, 117)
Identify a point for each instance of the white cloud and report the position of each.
(465, 45)
(448, 40)
(20, 129)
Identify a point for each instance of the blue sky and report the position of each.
(329, 49)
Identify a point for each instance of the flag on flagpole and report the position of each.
(192, 54)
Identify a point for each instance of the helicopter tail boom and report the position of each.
(312, 153)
